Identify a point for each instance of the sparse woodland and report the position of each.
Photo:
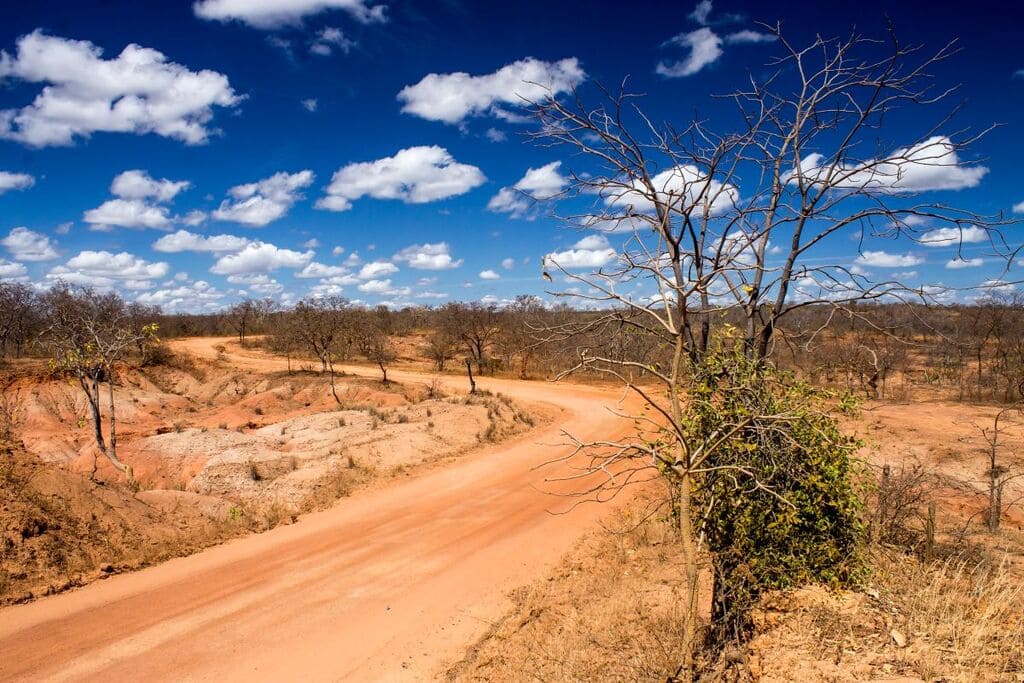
(747, 360)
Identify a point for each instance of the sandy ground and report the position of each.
(392, 584)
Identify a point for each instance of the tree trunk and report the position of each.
(469, 371)
(691, 572)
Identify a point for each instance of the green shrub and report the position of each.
(776, 502)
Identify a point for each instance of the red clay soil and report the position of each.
(391, 584)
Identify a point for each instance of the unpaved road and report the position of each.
(391, 584)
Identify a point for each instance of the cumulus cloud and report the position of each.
(1018, 208)
(882, 259)
(28, 245)
(450, 98)
(104, 269)
(11, 271)
(435, 256)
(260, 257)
(137, 92)
(183, 240)
(946, 237)
(593, 251)
(15, 181)
(415, 175)
(318, 270)
(259, 283)
(272, 14)
(933, 164)
(489, 275)
(264, 201)
(137, 184)
(538, 184)
(190, 298)
(330, 39)
(127, 213)
(685, 186)
(384, 287)
(138, 204)
(958, 263)
(377, 269)
(508, 263)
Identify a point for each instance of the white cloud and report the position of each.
(137, 184)
(705, 47)
(28, 245)
(593, 251)
(193, 297)
(508, 263)
(537, 184)
(1018, 208)
(138, 92)
(702, 12)
(882, 259)
(489, 275)
(271, 14)
(329, 39)
(320, 270)
(377, 269)
(183, 240)
(259, 283)
(138, 202)
(11, 271)
(104, 269)
(384, 287)
(958, 263)
(685, 186)
(495, 135)
(15, 181)
(452, 97)
(127, 213)
(945, 237)
(310, 105)
(194, 218)
(435, 256)
(905, 275)
(933, 164)
(748, 36)
(260, 257)
(264, 201)
(415, 175)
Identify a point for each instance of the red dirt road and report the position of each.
(391, 584)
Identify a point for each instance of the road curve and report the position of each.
(388, 585)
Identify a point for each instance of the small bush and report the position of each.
(777, 500)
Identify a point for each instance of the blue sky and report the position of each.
(214, 178)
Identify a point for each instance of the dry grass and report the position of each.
(964, 617)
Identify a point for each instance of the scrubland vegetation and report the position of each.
(782, 532)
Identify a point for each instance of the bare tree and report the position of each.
(731, 226)
(324, 325)
(88, 333)
(475, 325)
(998, 474)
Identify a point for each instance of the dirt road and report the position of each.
(390, 584)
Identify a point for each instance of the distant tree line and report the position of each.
(971, 352)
